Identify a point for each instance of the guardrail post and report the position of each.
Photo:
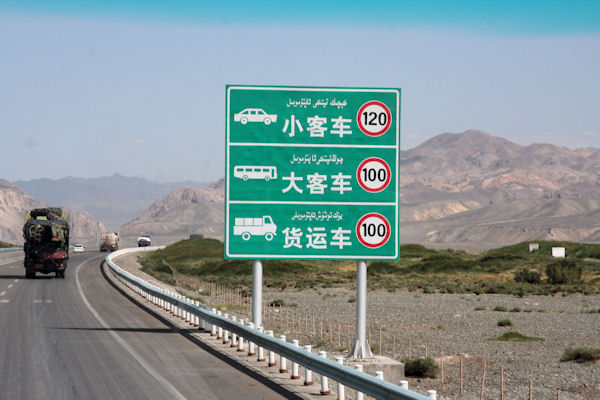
(379, 375)
(432, 394)
(251, 351)
(308, 379)
(196, 317)
(233, 335)
(219, 329)
(226, 332)
(261, 350)
(295, 372)
(340, 387)
(213, 327)
(241, 339)
(282, 360)
(359, 395)
(272, 361)
(324, 380)
(404, 384)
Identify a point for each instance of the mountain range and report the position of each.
(113, 199)
(465, 190)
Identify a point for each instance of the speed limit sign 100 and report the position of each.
(374, 118)
(373, 230)
(373, 174)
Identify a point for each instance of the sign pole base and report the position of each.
(361, 347)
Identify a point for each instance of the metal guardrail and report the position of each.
(345, 375)
(7, 249)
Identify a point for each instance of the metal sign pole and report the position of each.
(361, 345)
(257, 278)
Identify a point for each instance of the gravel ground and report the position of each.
(428, 323)
(432, 322)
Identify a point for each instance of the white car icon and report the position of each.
(254, 115)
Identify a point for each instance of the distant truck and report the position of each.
(46, 247)
(144, 241)
(109, 241)
(248, 227)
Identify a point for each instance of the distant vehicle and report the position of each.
(109, 241)
(248, 227)
(77, 248)
(246, 172)
(144, 241)
(46, 247)
(254, 115)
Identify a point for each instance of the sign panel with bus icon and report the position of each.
(248, 227)
(246, 172)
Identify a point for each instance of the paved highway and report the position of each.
(80, 338)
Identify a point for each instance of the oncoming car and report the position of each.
(254, 115)
(77, 248)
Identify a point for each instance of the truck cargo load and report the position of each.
(109, 241)
(46, 247)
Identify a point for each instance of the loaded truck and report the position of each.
(46, 247)
(109, 241)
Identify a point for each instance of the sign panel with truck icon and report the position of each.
(312, 173)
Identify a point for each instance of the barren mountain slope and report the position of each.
(14, 204)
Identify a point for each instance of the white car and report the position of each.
(254, 115)
(77, 248)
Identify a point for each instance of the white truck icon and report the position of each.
(248, 227)
(254, 115)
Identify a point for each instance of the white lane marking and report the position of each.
(16, 280)
(37, 301)
(4, 301)
(3, 293)
(163, 382)
(9, 286)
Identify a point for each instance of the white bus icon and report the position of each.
(246, 172)
(248, 227)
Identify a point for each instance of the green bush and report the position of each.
(563, 271)
(505, 322)
(528, 275)
(500, 308)
(420, 367)
(515, 337)
(581, 355)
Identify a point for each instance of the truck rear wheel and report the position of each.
(29, 274)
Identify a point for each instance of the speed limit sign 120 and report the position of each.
(373, 230)
(374, 118)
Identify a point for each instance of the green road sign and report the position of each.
(312, 173)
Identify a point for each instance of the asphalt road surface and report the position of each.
(80, 338)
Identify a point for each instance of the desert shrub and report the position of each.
(505, 322)
(277, 303)
(581, 355)
(480, 308)
(528, 275)
(515, 309)
(515, 337)
(420, 367)
(500, 308)
(563, 271)
(382, 267)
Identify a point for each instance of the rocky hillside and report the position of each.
(183, 212)
(14, 203)
(476, 190)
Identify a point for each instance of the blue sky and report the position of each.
(139, 87)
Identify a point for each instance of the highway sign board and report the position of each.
(312, 173)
